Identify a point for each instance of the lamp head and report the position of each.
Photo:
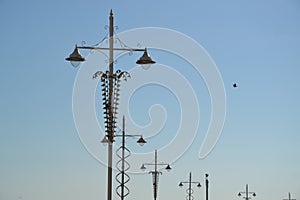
(180, 184)
(145, 60)
(198, 185)
(104, 141)
(254, 194)
(75, 58)
(168, 168)
(239, 194)
(143, 167)
(141, 141)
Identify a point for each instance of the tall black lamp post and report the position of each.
(206, 186)
(110, 91)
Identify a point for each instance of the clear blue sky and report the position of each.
(254, 43)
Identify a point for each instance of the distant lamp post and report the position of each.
(189, 191)
(110, 90)
(155, 173)
(122, 165)
(247, 193)
(206, 186)
(289, 197)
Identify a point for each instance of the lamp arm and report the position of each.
(190, 182)
(105, 48)
(155, 164)
(129, 135)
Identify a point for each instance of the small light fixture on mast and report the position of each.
(145, 61)
(141, 141)
(104, 141)
(143, 167)
(168, 168)
(75, 58)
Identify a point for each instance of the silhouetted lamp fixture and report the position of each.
(199, 185)
(141, 141)
(180, 184)
(239, 194)
(168, 168)
(104, 141)
(143, 167)
(75, 58)
(145, 60)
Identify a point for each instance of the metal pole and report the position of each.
(190, 186)
(155, 176)
(110, 102)
(155, 161)
(123, 155)
(247, 197)
(206, 186)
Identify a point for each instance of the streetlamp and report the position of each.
(123, 152)
(110, 90)
(247, 193)
(155, 173)
(290, 198)
(206, 186)
(190, 191)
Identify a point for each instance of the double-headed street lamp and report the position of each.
(110, 90)
(190, 191)
(155, 173)
(247, 193)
